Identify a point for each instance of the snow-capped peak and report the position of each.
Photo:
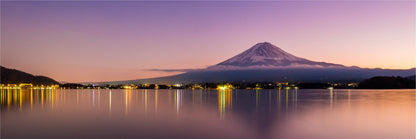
(266, 54)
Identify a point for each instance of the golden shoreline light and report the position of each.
(27, 86)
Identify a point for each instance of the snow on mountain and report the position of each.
(265, 55)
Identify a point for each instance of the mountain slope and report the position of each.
(12, 76)
(266, 62)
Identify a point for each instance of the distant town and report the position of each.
(259, 85)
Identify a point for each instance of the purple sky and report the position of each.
(104, 41)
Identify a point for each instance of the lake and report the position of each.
(208, 114)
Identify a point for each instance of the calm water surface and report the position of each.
(239, 114)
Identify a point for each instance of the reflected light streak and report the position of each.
(20, 100)
(331, 97)
(41, 97)
(127, 96)
(224, 102)
(156, 98)
(178, 101)
(14, 96)
(52, 98)
(77, 97)
(109, 105)
(145, 102)
(49, 95)
(221, 103)
(287, 99)
(9, 98)
(31, 99)
(93, 98)
(99, 96)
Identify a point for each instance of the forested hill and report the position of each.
(13, 76)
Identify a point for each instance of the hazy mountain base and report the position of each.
(274, 75)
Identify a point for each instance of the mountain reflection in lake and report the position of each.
(295, 114)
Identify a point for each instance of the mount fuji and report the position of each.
(266, 55)
(266, 62)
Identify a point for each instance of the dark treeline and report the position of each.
(382, 82)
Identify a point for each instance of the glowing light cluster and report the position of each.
(27, 86)
(131, 86)
(226, 86)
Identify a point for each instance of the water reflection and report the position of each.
(287, 113)
(225, 101)
(19, 99)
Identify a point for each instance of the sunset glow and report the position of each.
(108, 41)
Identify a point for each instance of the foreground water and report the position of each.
(294, 114)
